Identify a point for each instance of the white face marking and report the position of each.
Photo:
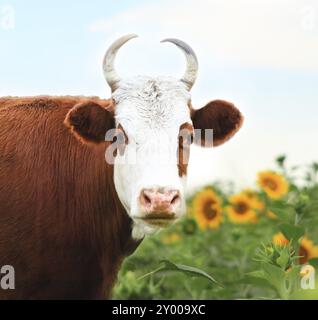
(151, 111)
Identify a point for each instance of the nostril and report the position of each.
(155, 201)
(147, 199)
(175, 199)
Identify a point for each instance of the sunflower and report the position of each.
(207, 209)
(273, 184)
(280, 240)
(241, 209)
(255, 201)
(307, 249)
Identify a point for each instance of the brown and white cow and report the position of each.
(72, 203)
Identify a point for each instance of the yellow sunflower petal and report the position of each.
(308, 249)
(207, 209)
(255, 201)
(272, 215)
(273, 184)
(241, 209)
(280, 240)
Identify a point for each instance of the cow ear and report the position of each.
(89, 121)
(220, 116)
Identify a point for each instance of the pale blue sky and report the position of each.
(262, 57)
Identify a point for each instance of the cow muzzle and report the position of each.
(159, 206)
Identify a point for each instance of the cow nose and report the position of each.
(160, 201)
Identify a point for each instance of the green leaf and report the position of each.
(283, 211)
(257, 278)
(291, 232)
(276, 277)
(314, 262)
(168, 265)
(312, 206)
(293, 278)
(274, 274)
(257, 274)
(283, 259)
(294, 274)
(280, 160)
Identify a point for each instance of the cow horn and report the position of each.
(110, 73)
(192, 62)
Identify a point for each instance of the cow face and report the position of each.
(152, 114)
(152, 124)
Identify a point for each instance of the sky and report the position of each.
(261, 55)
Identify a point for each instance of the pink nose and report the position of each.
(158, 201)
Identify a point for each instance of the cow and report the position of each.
(68, 214)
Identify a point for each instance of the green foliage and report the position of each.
(183, 261)
(192, 271)
(291, 232)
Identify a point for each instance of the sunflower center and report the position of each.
(304, 255)
(209, 211)
(270, 183)
(241, 207)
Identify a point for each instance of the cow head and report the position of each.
(153, 125)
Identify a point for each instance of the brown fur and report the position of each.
(62, 226)
(221, 116)
(185, 140)
(89, 121)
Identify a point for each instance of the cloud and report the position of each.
(278, 34)
(7, 17)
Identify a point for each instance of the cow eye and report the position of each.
(186, 135)
(191, 138)
(120, 139)
(121, 135)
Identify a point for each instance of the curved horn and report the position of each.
(110, 73)
(192, 62)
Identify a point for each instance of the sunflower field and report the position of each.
(258, 243)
